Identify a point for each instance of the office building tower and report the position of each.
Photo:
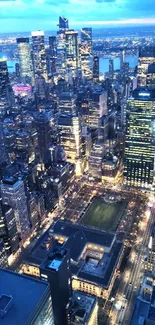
(4, 157)
(150, 260)
(111, 69)
(24, 148)
(82, 310)
(8, 229)
(67, 103)
(17, 289)
(150, 79)
(70, 137)
(17, 70)
(95, 161)
(122, 60)
(25, 60)
(139, 141)
(13, 194)
(98, 107)
(63, 23)
(72, 52)
(44, 133)
(57, 271)
(39, 54)
(4, 79)
(61, 46)
(52, 53)
(96, 70)
(146, 57)
(86, 53)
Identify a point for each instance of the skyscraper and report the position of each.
(52, 53)
(25, 60)
(57, 270)
(39, 54)
(61, 46)
(111, 69)
(96, 69)
(44, 133)
(4, 79)
(67, 103)
(86, 52)
(13, 194)
(139, 140)
(150, 79)
(72, 52)
(146, 57)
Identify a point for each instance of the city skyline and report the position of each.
(25, 15)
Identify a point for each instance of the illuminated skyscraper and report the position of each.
(13, 194)
(25, 60)
(52, 53)
(39, 54)
(86, 51)
(146, 57)
(111, 69)
(70, 137)
(72, 51)
(96, 69)
(4, 79)
(67, 103)
(61, 46)
(139, 140)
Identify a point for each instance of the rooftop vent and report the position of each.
(5, 305)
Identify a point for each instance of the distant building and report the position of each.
(15, 291)
(150, 79)
(96, 69)
(67, 103)
(72, 52)
(61, 46)
(52, 54)
(82, 310)
(25, 59)
(4, 79)
(39, 54)
(3, 255)
(86, 53)
(42, 123)
(111, 69)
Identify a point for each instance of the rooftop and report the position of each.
(81, 306)
(25, 292)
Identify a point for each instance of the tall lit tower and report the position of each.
(96, 71)
(39, 54)
(139, 140)
(86, 52)
(52, 53)
(4, 78)
(111, 69)
(61, 46)
(26, 68)
(72, 53)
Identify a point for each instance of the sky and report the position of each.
(27, 15)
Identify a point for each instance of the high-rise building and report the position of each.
(86, 53)
(15, 290)
(13, 194)
(57, 271)
(150, 260)
(111, 69)
(8, 229)
(4, 79)
(96, 70)
(39, 54)
(150, 79)
(122, 60)
(139, 141)
(67, 103)
(146, 57)
(95, 161)
(98, 107)
(61, 46)
(72, 52)
(44, 133)
(3, 150)
(52, 53)
(70, 137)
(25, 60)
(3, 255)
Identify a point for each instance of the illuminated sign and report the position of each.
(144, 94)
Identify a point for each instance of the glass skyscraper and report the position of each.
(140, 139)
(86, 52)
(26, 68)
(39, 54)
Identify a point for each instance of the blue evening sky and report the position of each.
(27, 15)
